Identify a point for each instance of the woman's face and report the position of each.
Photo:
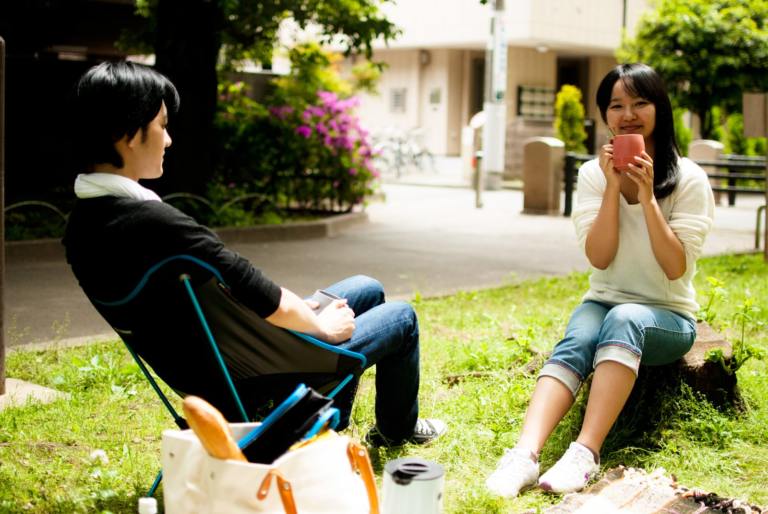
(628, 114)
(152, 144)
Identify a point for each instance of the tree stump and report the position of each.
(710, 378)
(634, 490)
(643, 411)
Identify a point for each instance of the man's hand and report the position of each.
(333, 324)
(337, 321)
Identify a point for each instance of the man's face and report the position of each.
(151, 145)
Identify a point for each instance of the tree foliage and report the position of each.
(249, 29)
(683, 133)
(192, 39)
(708, 51)
(735, 141)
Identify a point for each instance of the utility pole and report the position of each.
(2, 216)
(624, 16)
(495, 107)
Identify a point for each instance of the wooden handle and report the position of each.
(212, 429)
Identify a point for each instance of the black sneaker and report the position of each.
(425, 431)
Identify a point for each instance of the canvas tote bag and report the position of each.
(332, 475)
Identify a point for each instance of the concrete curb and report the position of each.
(328, 227)
(19, 393)
(63, 344)
(51, 249)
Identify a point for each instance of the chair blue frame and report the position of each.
(106, 306)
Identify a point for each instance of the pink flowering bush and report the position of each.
(334, 145)
(305, 147)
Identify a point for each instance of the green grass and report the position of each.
(480, 354)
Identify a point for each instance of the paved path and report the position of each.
(430, 240)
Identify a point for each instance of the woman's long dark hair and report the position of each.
(642, 81)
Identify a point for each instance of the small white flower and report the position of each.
(99, 456)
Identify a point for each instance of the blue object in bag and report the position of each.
(300, 416)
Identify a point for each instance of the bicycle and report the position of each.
(398, 152)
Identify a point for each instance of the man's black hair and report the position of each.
(113, 100)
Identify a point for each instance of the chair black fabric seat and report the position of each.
(181, 308)
(181, 320)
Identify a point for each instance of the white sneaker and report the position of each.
(516, 471)
(572, 472)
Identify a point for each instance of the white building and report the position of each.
(435, 70)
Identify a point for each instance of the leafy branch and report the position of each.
(742, 351)
(715, 293)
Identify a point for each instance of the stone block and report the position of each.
(707, 150)
(543, 161)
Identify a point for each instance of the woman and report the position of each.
(642, 230)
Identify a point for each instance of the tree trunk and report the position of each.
(642, 414)
(187, 45)
(705, 119)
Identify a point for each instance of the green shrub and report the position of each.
(312, 69)
(718, 132)
(569, 119)
(33, 220)
(735, 141)
(682, 132)
(757, 146)
(305, 147)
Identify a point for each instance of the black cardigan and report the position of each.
(111, 242)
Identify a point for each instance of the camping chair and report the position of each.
(182, 321)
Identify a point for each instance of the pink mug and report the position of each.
(625, 148)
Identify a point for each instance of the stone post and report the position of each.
(543, 161)
(755, 108)
(707, 150)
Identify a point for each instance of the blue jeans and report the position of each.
(388, 335)
(630, 334)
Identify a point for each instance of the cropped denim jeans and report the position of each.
(387, 333)
(630, 334)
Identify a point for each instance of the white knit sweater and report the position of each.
(634, 276)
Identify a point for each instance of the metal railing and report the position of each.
(739, 172)
(313, 194)
(737, 178)
(573, 162)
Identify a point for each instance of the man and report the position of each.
(122, 111)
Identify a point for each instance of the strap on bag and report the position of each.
(361, 464)
(358, 459)
(283, 487)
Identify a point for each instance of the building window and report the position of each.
(397, 100)
(535, 102)
(434, 96)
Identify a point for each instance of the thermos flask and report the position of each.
(412, 486)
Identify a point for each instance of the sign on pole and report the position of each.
(495, 106)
